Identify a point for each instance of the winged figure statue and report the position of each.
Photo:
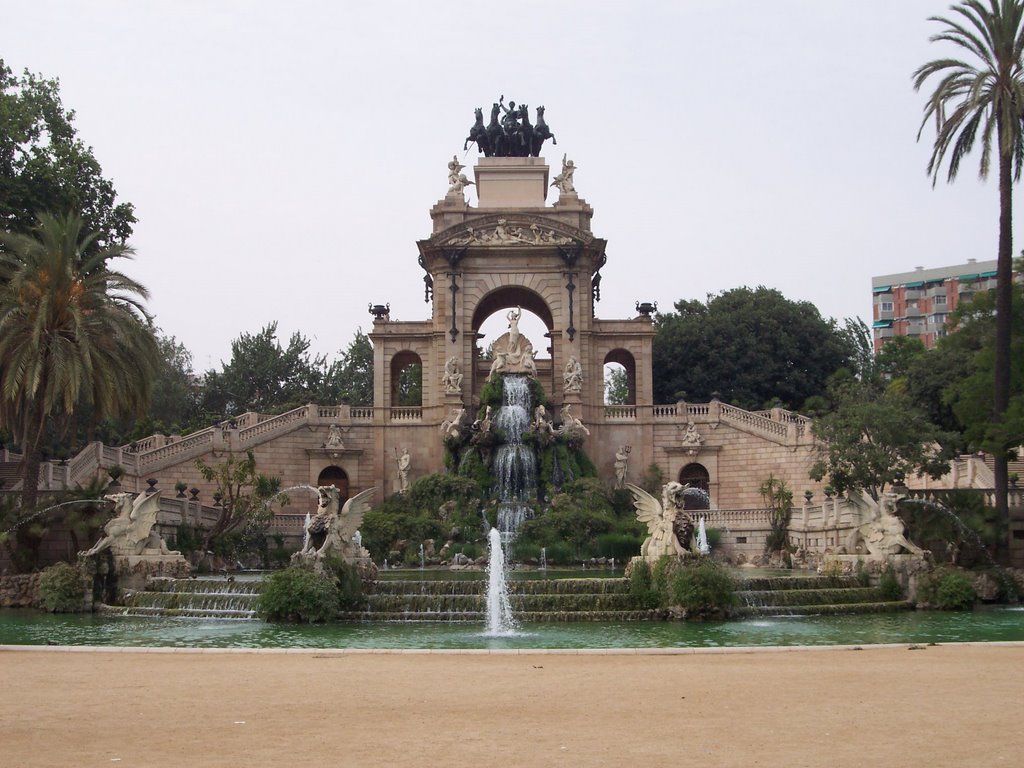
(332, 532)
(660, 518)
(130, 531)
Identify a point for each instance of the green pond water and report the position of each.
(32, 628)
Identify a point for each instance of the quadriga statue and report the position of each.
(330, 532)
(130, 532)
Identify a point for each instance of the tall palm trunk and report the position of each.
(1004, 309)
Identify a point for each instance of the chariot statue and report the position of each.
(509, 132)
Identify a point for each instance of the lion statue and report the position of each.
(331, 532)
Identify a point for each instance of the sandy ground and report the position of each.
(933, 706)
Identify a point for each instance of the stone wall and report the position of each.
(19, 591)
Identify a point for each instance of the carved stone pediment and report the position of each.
(519, 230)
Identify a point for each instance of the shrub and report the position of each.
(299, 595)
(621, 546)
(347, 582)
(702, 589)
(641, 585)
(889, 585)
(947, 589)
(60, 589)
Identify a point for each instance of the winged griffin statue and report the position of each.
(330, 532)
(663, 519)
(130, 532)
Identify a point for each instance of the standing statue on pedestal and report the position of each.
(621, 465)
(403, 461)
(452, 378)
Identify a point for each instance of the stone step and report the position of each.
(784, 597)
(825, 610)
(525, 616)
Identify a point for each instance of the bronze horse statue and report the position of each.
(478, 133)
(541, 132)
(495, 135)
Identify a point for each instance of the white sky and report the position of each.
(283, 157)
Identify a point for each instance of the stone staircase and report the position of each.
(534, 600)
(809, 596)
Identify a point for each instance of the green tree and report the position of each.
(352, 374)
(984, 93)
(245, 499)
(72, 330)
(872, 438)
(262, 375)
(750, 345)
(616, 386)
(45, 167)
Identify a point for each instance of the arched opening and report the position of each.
(490, 320)
(696, 476)
(406, 380)
(619, 378)
(337, 477)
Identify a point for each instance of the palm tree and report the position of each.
(985, 92)
(72, 332)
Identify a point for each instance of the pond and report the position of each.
(19, 627)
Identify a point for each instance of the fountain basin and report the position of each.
(21, 627)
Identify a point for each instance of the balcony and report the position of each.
(914, 312)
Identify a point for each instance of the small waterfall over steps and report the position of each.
(532, 600)
(808, 596)
(192, 598)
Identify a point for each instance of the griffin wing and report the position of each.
(351, 516)
(143, 516)
(648, 508)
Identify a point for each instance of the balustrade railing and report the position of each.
(194, 443)
(620, 412)
(731, 413)
(249, 434)
(406, 414)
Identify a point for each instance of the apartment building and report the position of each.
(917, 303)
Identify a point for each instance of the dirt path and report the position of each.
(936, 706)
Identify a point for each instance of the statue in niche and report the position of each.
(404, 461)
(660, 518)
(573, 376)
(621, 465)
(457, 180)
(451, 427)
(452, 378)
(330, 532)
(334, 438)
(570, 422)
(564, 180)
(692, 440)
(883, 534)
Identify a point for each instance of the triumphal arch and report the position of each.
(516, 250)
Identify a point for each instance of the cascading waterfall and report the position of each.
(515, 466)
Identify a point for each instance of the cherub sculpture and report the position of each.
(330, 532)
(130, 531)
(660, 519)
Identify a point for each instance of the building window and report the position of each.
(940, 300)
(885, 306)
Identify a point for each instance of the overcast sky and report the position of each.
(282, 157)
